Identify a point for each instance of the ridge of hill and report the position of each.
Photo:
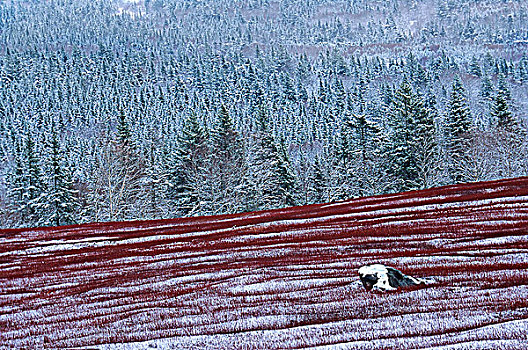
(284, 278)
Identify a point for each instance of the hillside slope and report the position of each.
(278, 279)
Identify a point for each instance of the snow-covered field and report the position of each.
(281, 279)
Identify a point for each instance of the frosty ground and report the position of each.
(279, 279)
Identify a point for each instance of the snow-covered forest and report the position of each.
(122, 110)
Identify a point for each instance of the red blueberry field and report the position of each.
(279, 279)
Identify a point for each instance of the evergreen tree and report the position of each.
(500, 110)
(401, 163)
(509, 137)
(123, 130)
(367, 140)
(188, 167)
(287, 182)
(117, 180)
(288, 90)
(34, 187)
(474, 67)
(365, 136)
(226, 167)
(340, 97)
(61, 202)
(131, 166)
(153, 181)
(16, 188)
(317, 188)
(412, 144)
(343, 156)
(425, 146)
(458, 128)
(503, 88)
(272, 183)
(486, 92)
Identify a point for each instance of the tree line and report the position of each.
(155, 116)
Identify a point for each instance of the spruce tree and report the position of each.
(123, 130)
(35, 186)
(508, 134)
(502, 86)
(486, 94)
(474, 67)
(401, 163)
(340, 97)
(343, 156)
(226, 167)
(16, 187)
(117, 178)
(288, 89)
(61, 203)
(286, 178)
(412, 146)
(367, 139)
(425, 145)
(188, 162)
(501, 115)
(272, 183)
(131, 167)
(364, 136)
(458, 129)
(153, 182)
(317, 183)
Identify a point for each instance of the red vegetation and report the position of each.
(288, 273)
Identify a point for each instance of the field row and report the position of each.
(278, 279)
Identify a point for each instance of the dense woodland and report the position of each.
(117, 110)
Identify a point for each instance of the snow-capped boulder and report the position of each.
(385, 278)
